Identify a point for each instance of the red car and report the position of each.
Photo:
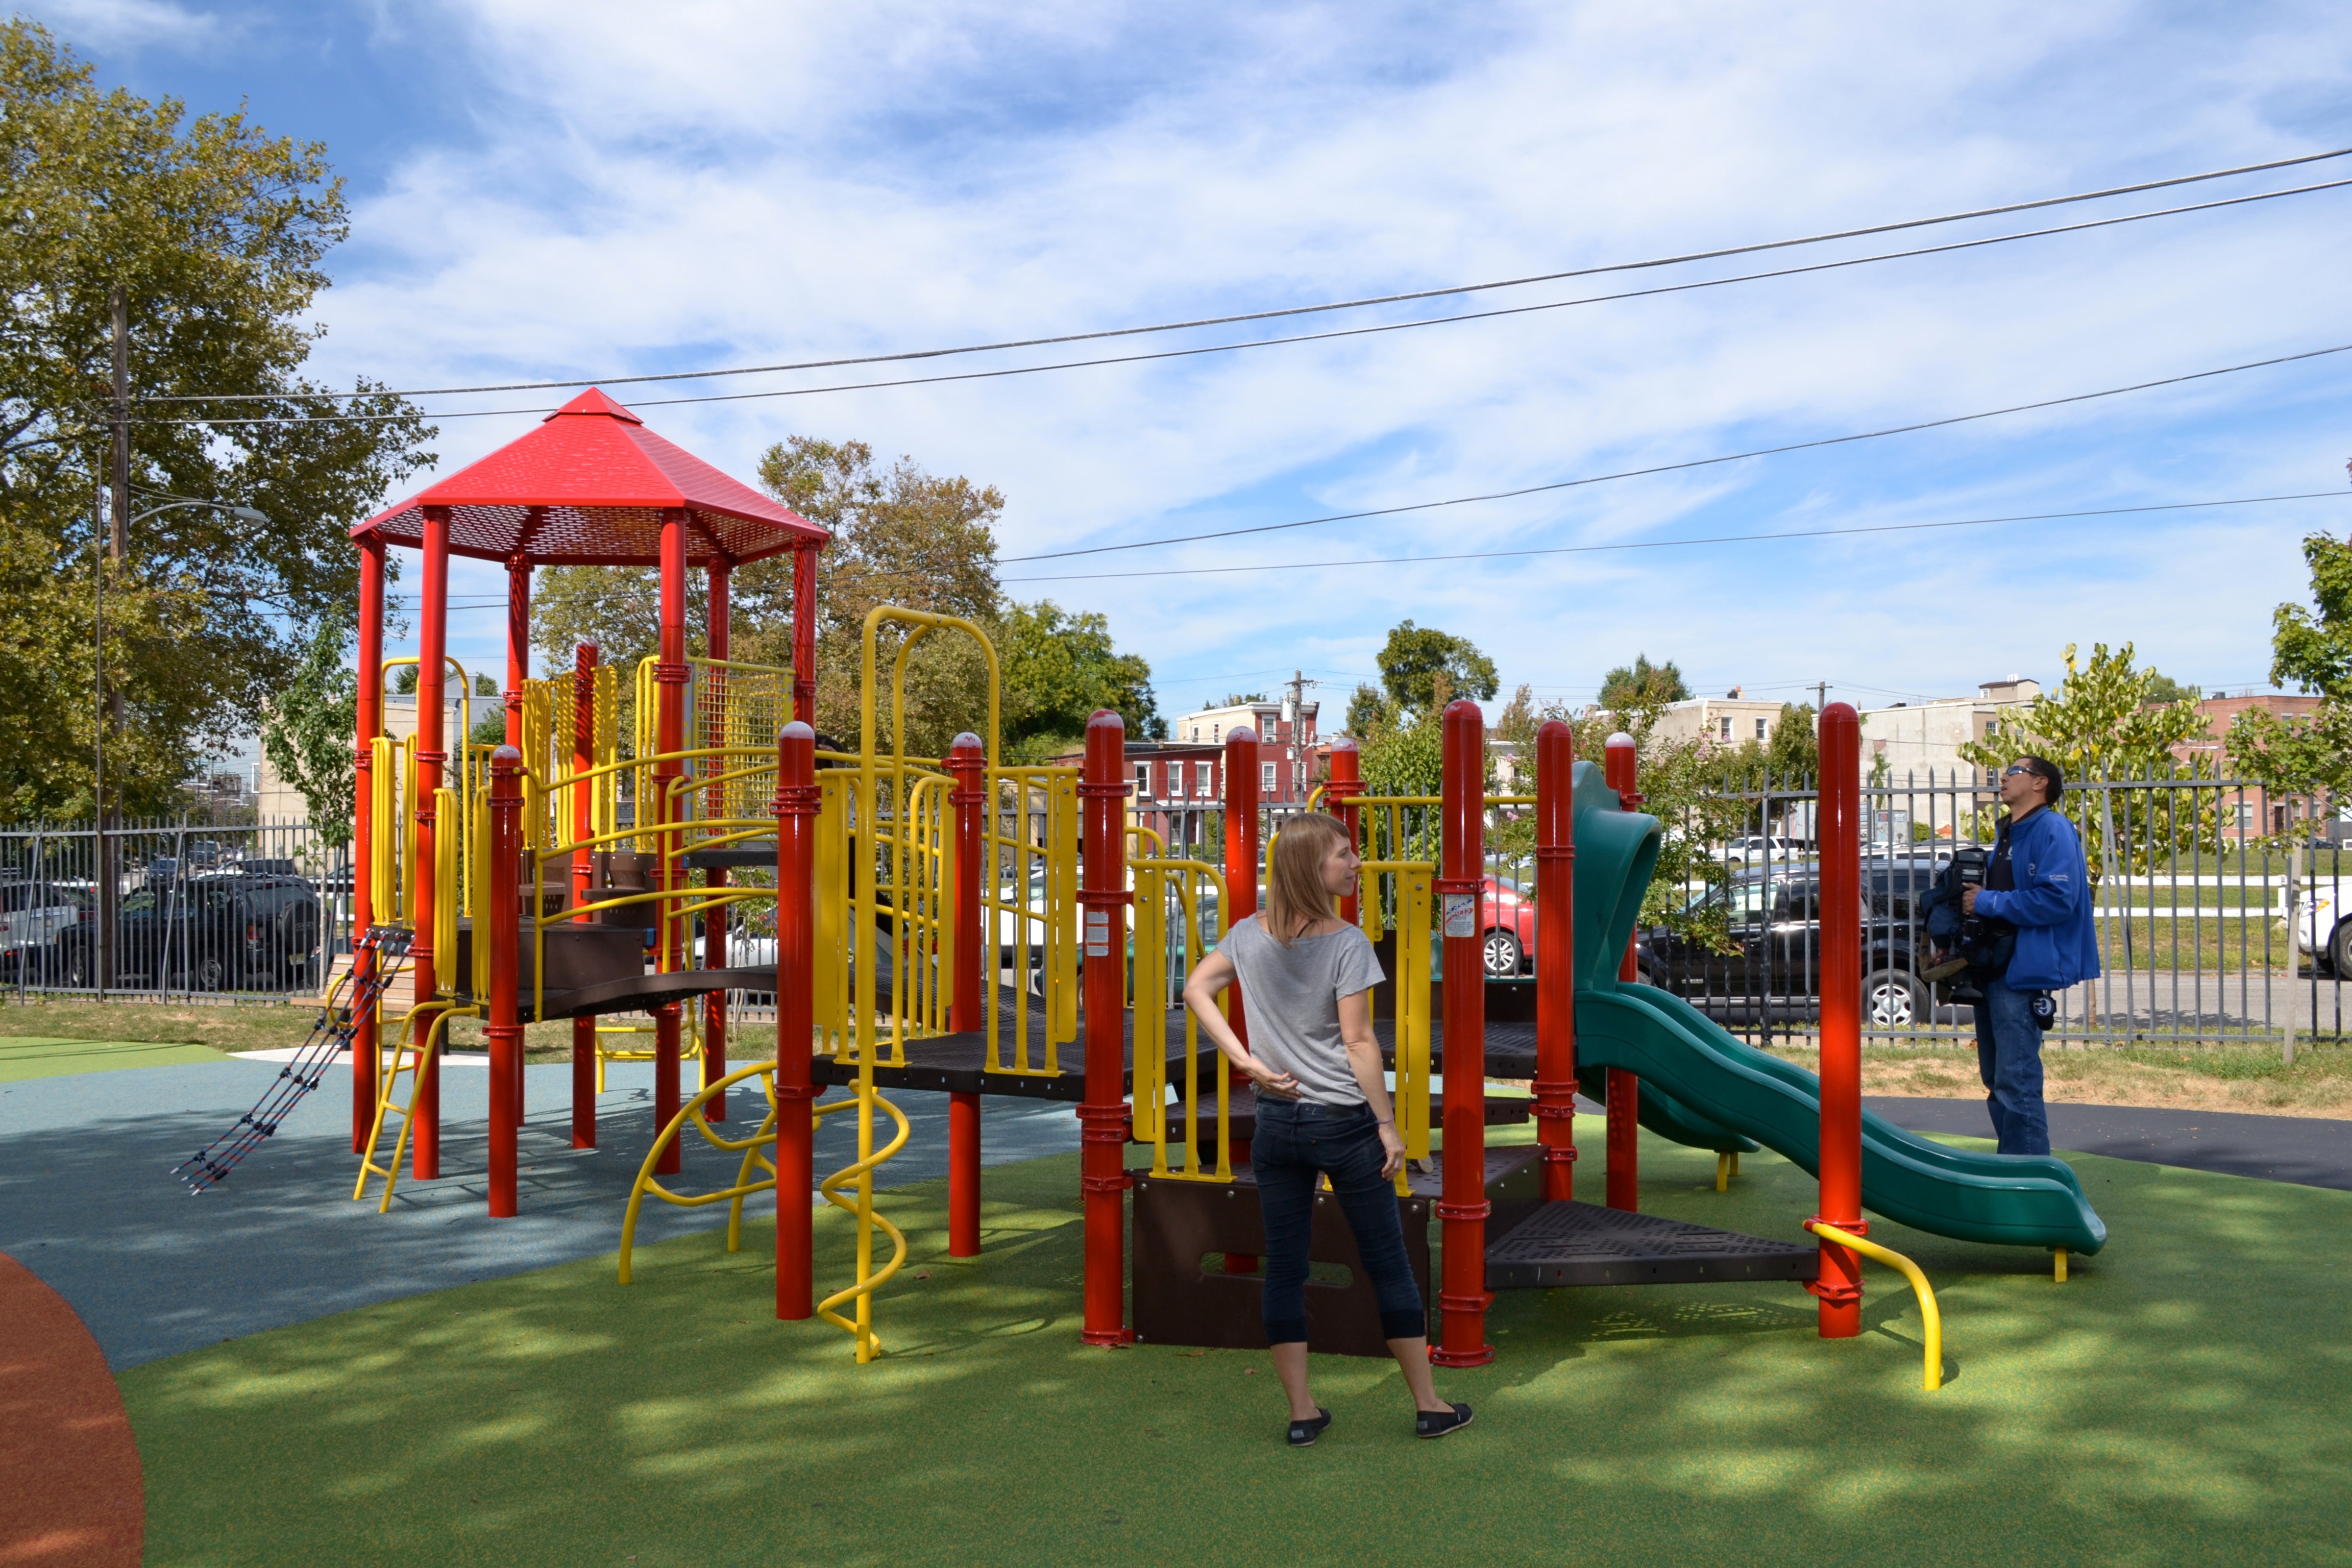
(1507, 922)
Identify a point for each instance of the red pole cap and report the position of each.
(506, 760)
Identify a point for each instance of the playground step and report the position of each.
(1241, 1113)
(1583, 1244)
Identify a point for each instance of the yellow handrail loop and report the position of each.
(1929, 1315)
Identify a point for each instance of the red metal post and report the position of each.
(364, 1043)
(504, 1029)
(805, 631)
(583, 876)
(670, 676)
(432, 668)
(967, 763)
(517, 644)
(797, 802)
(1462, 1296)
(1839, 836)
(716, 921)
(1103, 1117)
(1339, 793)
(1624, 1180)
(1555, 1085)
(1242, 871)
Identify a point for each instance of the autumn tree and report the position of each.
(212, 233)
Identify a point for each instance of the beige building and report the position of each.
(1911, 739)
(274, 800)
(1725, 721)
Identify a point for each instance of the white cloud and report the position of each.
(124, 25)
(750, 184)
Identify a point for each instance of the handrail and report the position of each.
(1929, 1315)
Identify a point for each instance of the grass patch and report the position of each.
(28, 1058)
(2134, 1416)
(236, 1027)
(2206, 1078)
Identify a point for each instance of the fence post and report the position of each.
(967, 763)
(1839, 844)
(2294, 891)
(1104, 1116)
(796, 805)
(1555, 1084)
(504, 1033)
(1622, 1183)
(1462, 1207)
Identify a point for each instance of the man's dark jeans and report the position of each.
(1294, 1143)
(2009, 1059)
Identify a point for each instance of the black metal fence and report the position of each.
(178, 911)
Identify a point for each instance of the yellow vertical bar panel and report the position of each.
(478, 906)
(949, 857)
(448, 867)
(1412, 1016)
(1065, 860)
(411, 777)
(829, 1004)
(1146, 977)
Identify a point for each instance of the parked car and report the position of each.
(2325, 926)
(1773, 964)
(1760, 848)
(34, 917)
(217, 931)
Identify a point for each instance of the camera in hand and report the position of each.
(1973, 948)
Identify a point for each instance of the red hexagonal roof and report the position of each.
(588, 487)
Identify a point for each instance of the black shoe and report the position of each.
(1433, 1424)
(1304, 1432)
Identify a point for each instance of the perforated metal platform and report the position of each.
(1583, 1244)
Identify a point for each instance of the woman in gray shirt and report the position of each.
(1322, 1107)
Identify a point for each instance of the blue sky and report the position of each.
(587, 189)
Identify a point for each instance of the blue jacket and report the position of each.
(2049, 907)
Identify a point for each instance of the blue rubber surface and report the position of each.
(88, 1201)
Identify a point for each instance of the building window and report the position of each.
(1760, 729)
(1204, 780)
(1727, 729)
(1266, 778)
(1143, 781)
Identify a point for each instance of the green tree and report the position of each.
(308, 732)
(1417, 662)
(213, 233)
(1058, 669)
(2101, 725)
(2164, 688)
(1643, 684)
(2313, 652)
(1370, 713)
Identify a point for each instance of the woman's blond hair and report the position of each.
(1295, 898)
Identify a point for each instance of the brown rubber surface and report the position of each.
(74, 1496)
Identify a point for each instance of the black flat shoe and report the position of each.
(1304, 1432)
(1437, 1423)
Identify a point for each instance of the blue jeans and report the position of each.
(1294, 1143)
(2009, 1059)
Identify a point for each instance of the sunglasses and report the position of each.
(2020, 768)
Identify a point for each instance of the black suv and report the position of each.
(1773, 967)
(220, 931)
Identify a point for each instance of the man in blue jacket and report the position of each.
(2036, 882)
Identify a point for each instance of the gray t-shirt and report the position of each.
(1290, 996)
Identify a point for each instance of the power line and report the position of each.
(1294, 310)
(1678, 544)
(1206, 348)
(1674, 468)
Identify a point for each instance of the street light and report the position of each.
(106, 889)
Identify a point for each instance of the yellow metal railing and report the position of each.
(1163, 885)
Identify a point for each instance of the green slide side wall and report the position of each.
(1715, 1092)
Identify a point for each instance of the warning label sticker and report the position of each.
(1097, 934)
(1461, 914)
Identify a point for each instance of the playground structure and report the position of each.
(956, 924)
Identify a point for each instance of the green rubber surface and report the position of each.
(2179, 1401)
(24, 1058)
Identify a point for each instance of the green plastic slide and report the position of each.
(1715, 1092)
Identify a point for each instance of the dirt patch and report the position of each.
(75, 1497)
(2216, 1077)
